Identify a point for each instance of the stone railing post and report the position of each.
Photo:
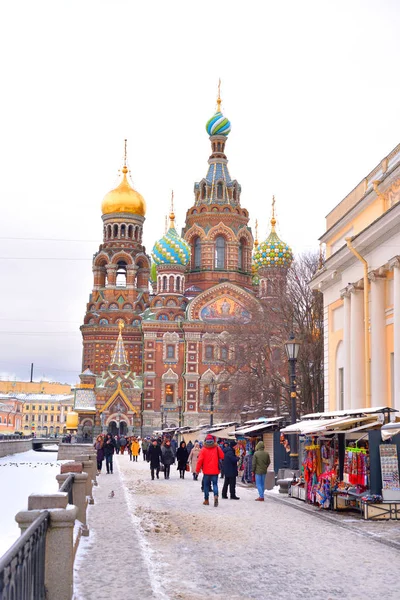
(89, 467)
(78, 494)
(59, 560)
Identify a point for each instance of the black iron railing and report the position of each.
(22, 567)
(67, 487)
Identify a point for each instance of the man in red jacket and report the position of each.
(208, 462)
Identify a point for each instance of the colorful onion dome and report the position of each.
(171, 248)
(272, 252)
(218, 125)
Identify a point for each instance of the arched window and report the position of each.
(121, 274)
(109, 232)
(219, 146)
(171, 283)
(197, 253)
(123, 229)
(165, 283)
(130, 232)
(115, 234)
(220, 190)
(203, 191)
(178, 284)
(220, 252)
(242, 254)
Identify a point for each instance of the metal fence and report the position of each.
(14, 436)
(22, 567)
(67, 487)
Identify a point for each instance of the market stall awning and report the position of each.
(258, 428)
(349, 412)
(334, 425)
(389, 430)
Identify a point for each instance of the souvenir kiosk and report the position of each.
(340, 458)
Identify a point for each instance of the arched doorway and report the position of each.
(112, 428)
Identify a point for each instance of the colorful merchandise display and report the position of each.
(356, 466)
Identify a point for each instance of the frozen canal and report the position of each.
(20, 475)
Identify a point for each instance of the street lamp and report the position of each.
(179, 403)
(102, 422)
(162, 416)
(212, 388)
(292, 348)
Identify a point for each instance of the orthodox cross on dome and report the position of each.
(125, 151)
(273, 220)
(172, 214)
(256, 240)
(219, 101)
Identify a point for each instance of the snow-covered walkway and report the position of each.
(155, 539)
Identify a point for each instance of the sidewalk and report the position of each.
(114, 561)
(384, 532)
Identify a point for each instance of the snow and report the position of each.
(177, 549)
(23, 474)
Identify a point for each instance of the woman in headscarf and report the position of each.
(182, 456)
(98, 445)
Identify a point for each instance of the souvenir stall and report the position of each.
(264, 430)
(335, 458)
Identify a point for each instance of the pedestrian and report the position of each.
(122, 443)
(193, 458)
(261, 462)
(128, 447)
(230, 470)
(154, 457)
(174, 445)
(98, 445)
(182, 456)
(117, 444)
(209, 459)
(135, 447)
(167, 457)
(190, 446)
(109, 447)
(145, 447)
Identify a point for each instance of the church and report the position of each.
(156, 328)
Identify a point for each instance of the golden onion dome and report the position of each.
(124, 199)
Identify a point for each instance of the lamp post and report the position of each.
(102, 422)
(292, 348)
(162, 416)
(212, 387)
(179, 403)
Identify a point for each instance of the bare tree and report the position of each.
(256, 368)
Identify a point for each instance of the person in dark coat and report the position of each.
(117, 444)
(182, 456)
(109, 447)
(154, 457)
(230, 470)
(190, 446)
(167, 457)
(99, 452)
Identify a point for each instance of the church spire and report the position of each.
(119, 356)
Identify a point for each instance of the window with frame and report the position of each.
(220, 252)
(206, 394)
(169, 392)
(197, 253)
(223, 395)
(224, 353)
(209, 352)
(170, 351)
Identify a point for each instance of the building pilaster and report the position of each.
(395, 265)
(378, 341)
(357, 378)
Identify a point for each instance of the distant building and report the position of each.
(360, 281)
(43, 414)
(34, 387)
(10, 414)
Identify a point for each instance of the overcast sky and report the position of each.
(311, 89)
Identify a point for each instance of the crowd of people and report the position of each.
(214, 459)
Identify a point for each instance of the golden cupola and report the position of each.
(124, 199)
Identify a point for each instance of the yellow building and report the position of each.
(360, 281)
(44, 414)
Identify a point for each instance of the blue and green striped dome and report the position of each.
(272, 253)
(171, 249)
(218, 125)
